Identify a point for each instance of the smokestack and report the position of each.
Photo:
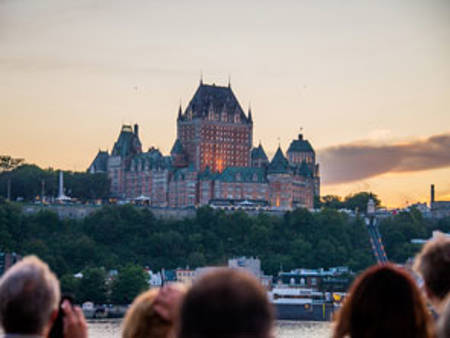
(432, 195)
(136, 130)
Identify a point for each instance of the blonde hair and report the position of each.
(142, 321)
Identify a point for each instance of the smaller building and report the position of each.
(185, 276)
(251, 265)
(439, 209)
(154, 279)
(331, 280)
(168, 276)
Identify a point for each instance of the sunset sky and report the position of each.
(368, 81)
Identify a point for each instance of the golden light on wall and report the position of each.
(219, 164)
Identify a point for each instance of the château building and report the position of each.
(212, 161)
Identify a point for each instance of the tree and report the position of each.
(93, 286)
(130, 282)
(70, 285)
(7, 164)
(332, 201)
(359, 201)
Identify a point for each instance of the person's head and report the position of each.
(433, 263)
(143, 320)
(226, 303)
(29, 297)
(384, 301)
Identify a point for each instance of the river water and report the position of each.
(284, 329)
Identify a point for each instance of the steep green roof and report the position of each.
(304, 170)
(127, 144)
(259, 153)
(207, 174)
(153, 158)
(177, 147)
(300, 145)
(279, 163)
(219, 99)
(243, 174)
(100, 162)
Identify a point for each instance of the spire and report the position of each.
(229, 81)
(279, 163)
(180, 111)
(201, 78)
(250, 113)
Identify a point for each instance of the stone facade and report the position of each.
(212, 159)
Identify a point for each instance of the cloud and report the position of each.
(357, 161)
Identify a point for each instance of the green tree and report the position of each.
(130, 282)
(93, 286)
(359, 201)
(7, 164)
(70, 285)
(331, 201)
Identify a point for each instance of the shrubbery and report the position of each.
(117, 236)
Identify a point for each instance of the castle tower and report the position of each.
(178, 155)
(259, 157)
(126, 146)
(280, 182)
(214, 130)
(299, 152)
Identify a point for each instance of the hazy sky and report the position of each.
(369, 81)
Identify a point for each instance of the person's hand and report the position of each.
(74, 322)
(168, 301)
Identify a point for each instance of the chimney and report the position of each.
(300, 137)
(136, 130)
(432, 195)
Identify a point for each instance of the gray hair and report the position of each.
(29, 293)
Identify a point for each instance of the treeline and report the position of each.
(29, 181)
(119, 235)
(352, 202)
(101, 287)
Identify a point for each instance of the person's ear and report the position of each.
(53, 316)
(52, 319)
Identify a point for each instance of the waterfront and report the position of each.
(284, 329)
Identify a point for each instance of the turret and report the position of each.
(280, 182)
(279, 163)
(259, 157)
(178, 156)
(301, 150)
